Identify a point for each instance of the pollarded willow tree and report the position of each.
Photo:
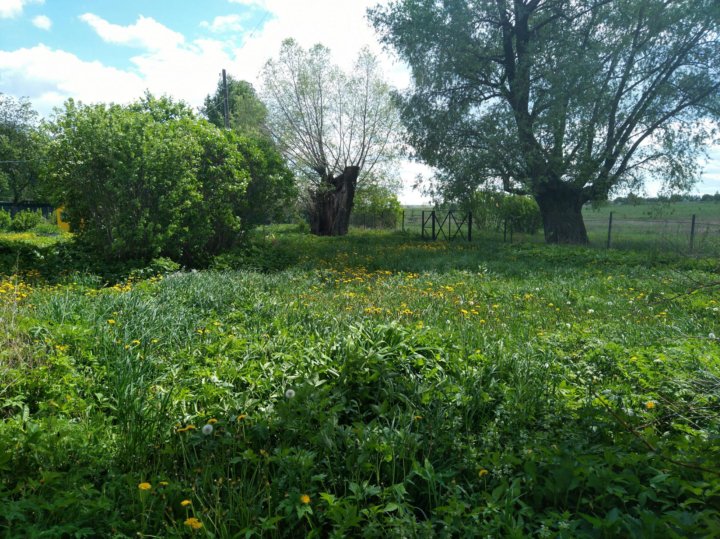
(565, 100)
(336, 129)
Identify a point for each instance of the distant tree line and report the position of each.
(676, 197)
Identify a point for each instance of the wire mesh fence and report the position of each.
(691, 236)
(682, 236)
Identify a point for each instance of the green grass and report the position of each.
(407, 388)
(679, 211)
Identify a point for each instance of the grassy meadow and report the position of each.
(371, 386)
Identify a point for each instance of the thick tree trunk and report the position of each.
(332, 204)
(561, 211)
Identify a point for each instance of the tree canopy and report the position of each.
(565, 100)
(247, 114)
(334, 128)
(22, 146)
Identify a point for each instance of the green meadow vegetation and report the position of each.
(370, 385)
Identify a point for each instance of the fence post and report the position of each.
(692, 234)
(469, 226)
(422, 225)
(433, 225)
(609, 230)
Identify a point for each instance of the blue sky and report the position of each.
(113, 50)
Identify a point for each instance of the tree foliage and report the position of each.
(561, 99)
(150, 179)
(272, 185)
(334, 128)
(246, 113)
(22, 146)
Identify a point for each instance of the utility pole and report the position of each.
(225, 99)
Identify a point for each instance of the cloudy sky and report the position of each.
(113, 50)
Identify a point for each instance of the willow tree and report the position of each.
(335, 128)
(565, 100)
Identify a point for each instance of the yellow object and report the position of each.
(194, 523)
(62, 225)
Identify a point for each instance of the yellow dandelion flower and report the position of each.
(144, 486)
(194, 523)
(212, 421)
(483, 472)
(241, 417)
(111, 321)
(305, 499)
(649, 405)
(185, 503)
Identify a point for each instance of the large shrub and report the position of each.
(5, 220)
(521, 213)
(493, 210)
(25, 220)
(149, 180)
(377, 201)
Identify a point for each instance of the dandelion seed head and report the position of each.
(290, 393)
(207, 429)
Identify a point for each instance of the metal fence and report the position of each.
(683, 236)
(389, 220)
(696, 235)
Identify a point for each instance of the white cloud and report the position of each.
(145, 33)
(10, 9)
(224, 23)
(340, 25)
(49, 76)
(42, 22)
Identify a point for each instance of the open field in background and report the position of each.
(647, 226)
(373, 385)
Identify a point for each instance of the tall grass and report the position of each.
(376, 386)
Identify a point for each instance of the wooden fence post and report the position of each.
(609, 240)
(433, 225)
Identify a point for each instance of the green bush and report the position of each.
(521, 213)
(376, 204)
(5, 220)
(492, 210)
(181, 195)
(26, 220)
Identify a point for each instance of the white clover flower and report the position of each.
(207, 429)
(290, 393)
(711, 336)
(590, 311)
